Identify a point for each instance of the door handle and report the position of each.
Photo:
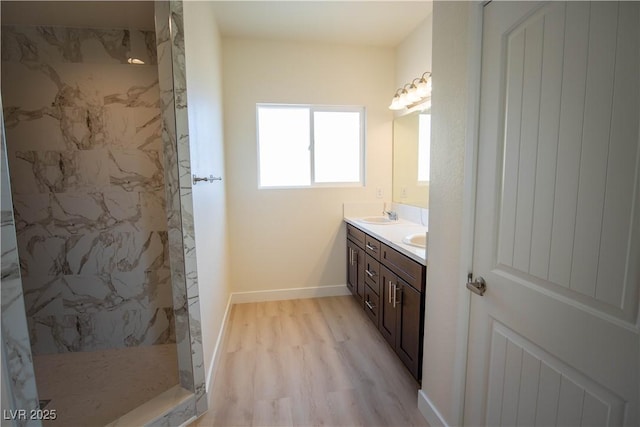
(478, 286)
(211, 178)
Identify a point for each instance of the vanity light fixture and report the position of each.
(418, 91)
(396, 103)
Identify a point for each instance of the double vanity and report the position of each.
(386, 264)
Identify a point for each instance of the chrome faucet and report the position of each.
(393, 215)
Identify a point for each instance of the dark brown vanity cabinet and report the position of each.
(372, 246)
(402, 306)
(371, 304)
(372, 278)
(355, 262)
(401, 320)
(372, 273)
(393, 295)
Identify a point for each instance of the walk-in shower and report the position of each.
(83, 128)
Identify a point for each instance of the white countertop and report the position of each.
(392, 235)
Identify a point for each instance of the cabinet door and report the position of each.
(409, 328)
(372, 247)
(371, 304)
(387, 313)
(352, 267)
(358, 236)
(372, 273)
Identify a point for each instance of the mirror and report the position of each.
(411, 146)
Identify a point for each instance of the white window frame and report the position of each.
(312, 109)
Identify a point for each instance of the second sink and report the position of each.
(418, 240)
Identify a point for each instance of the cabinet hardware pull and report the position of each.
(372, 248)
(395, 296)
(371, 307)
(351, 256)
(390, 284)
(371, 274)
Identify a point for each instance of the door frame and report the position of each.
(474, 61)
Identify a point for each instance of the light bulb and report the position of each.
(412, 94)
(422, 90)
(404, 98)
(395, 103)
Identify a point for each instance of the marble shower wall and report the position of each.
(83, 131)
(17, 369)
(173, 88)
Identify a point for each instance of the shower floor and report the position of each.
(95, 388)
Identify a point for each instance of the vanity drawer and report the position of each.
(372, 273)
(372, 247)
(356, 235)
(371, 302)
(409, 270)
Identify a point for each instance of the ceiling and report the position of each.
(88, 14)
(378, 23)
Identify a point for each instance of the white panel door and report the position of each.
(555, 339)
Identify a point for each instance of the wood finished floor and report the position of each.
(311, 362)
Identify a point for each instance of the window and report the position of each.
(308, 146)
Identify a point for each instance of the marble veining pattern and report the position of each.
(186, 199)
(17, 369)
(177, 416)
(174, 222)
(84, 140)
(171, 51)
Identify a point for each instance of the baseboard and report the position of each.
(429, 411)
(217, 351)
(293, 293)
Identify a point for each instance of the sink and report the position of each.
(379, 220)
(418, 240)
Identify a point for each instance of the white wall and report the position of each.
(449, 122)
(290, 238)
(413, 55)
(413, 58)
(204, 87)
